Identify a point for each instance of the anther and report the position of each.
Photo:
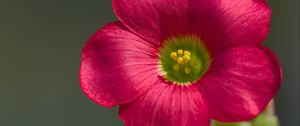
(180, 60)
(180, 51)
(186, 58)
(187, 53)
(173, 55)
(176, 67)
(187, 70)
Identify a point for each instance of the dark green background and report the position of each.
(40, 48)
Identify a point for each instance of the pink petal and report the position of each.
(117, 66)
(241, 82)
(219, 23)
(167, 105)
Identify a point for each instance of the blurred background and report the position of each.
(40, 49)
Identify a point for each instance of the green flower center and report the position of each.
(184, 59)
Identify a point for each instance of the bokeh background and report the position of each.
(40, 48)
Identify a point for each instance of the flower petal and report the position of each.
(241, 82)
(167, 105)
(117, 66)
(219, 23)
(226, 23)
(154, 20)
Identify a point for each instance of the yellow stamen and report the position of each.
(180, 60)
(187, 52)
(176, 67)
(186, 58)
(180, 51)
(187, 70)
(173, 55)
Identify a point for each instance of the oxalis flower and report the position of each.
(182, 62)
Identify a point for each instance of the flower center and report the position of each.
(184, 59)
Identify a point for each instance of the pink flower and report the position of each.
(182, 62)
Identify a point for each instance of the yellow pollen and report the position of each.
(176, 67)
(187, 70)
(187, 53)
(180, 60)
(180, 51)
(173, 55)
(186, 58)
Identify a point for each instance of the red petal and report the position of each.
(226, 23)
(241, 82)
(167, 105)
(154, 20)
(219, 23)
(117, 66)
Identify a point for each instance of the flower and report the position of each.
(182, 62)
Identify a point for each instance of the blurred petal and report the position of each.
(167, 105)
(240, 83)
(117, 66)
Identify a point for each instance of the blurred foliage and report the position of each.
(266, 118)
(232, 124)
